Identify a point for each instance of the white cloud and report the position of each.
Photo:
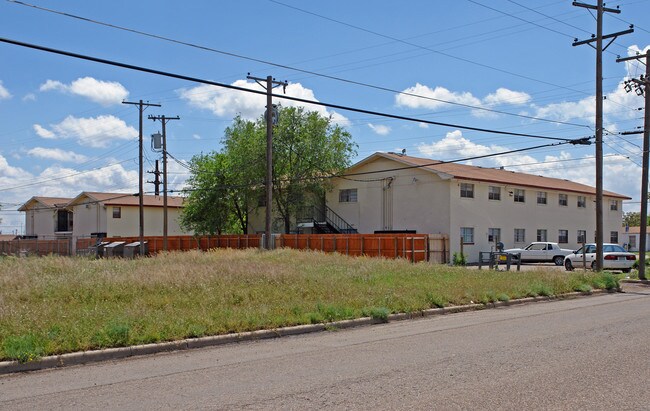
(380, 129)
(423, 125)
(57, 154)
(438, 97)
(4, 93)
(92, 132)
(43, 132)
(196, 136)
(105, 93)
(505, 96)
(29, 97)
(228, 103)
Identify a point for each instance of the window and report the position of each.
(632, 244)
(563, 200)
(541, 197)
(467, 234)
(563, 236)
(348, 195)
(520, 235)
(467, 190)
(494, 235)
(613, 205)
(613, 237)
(582, 236)
(582, 202)
(541, 235)
(520, 195)
(117, 212)
(494, 193)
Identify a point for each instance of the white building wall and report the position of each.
(128, 225)
(88, 218)
(40, 222)
(415, 200)
(427, 203)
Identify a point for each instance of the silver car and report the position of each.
(614, 258)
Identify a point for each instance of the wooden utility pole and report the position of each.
(141, 108)
(163, 119)
(271, 119)
(600, 10)
(642, 86)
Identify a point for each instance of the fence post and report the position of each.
(334, 244)
(379, 247)
(321, 243)
(413, 249)
(347, 245)
(361, 245)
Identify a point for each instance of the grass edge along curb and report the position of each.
(85, 357)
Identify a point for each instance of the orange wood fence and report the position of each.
(184, 243)
(413, 247)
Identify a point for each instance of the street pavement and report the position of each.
(585, 353)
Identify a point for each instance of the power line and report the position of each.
(281, 96)
(283, 66)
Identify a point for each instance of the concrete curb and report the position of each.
(84, 357)
(635, 282)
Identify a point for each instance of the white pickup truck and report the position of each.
(541, 252)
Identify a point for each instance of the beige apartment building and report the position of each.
(92, 213)
(481, 206)
(47, 217)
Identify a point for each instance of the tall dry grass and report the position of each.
(57, 304)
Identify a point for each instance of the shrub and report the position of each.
(436, 300)
(584, 288)
(380, 313)
(459, 259)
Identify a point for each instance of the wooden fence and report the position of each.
(183, 243)
(36, 247)
(413, 247)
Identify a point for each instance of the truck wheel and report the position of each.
(558, 260)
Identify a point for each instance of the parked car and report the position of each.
(614, 258)
(541, 251)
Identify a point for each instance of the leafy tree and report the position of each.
(226, 187)
(207, 208)
(632, 219)
(306, 148)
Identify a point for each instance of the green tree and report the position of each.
(306, 148)
(207, 208)
(632, 219)
(226, 186)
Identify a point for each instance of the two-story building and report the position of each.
(106, 214)
(474, 205)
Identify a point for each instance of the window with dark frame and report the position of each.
(582, 202)
(494, 193)
(613, 205)
(520, 235)
(613, 237)
(467, 190)
(563, 236)
(494, 235)
(520, 195)
(582, 236)
(117, 212)
(348, 195)
(563, 200)
(542, 234)
(467, 234)
(541, 197)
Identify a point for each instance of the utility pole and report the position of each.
(270, 121)
(141, 107)
(164, 120)
(156, 181)
(641, 87)
(598, 38)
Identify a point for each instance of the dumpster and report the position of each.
(99, 249)
(133, 249)
(114, 249)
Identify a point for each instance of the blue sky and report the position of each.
(64, 130)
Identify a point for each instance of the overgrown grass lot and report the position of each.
(53, 305)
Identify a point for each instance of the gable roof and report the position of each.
(45, 202)
(125, 199)
(489, 175)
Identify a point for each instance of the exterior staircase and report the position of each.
(325, 221)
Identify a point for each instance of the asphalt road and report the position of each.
(588, 353)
